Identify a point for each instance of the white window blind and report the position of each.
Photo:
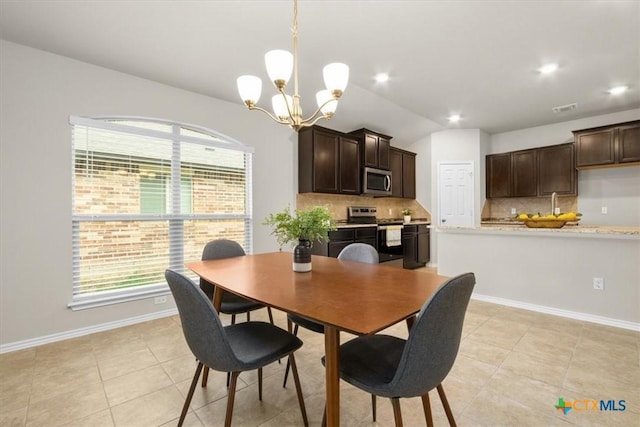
(147, 196)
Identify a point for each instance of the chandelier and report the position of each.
(287, 110)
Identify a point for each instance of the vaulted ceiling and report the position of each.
(476, 58)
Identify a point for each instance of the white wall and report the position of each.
(39, 91)
(618, 189)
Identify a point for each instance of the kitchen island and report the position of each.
(550, 270)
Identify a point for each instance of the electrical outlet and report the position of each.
(390, 211)
(598, 283)
(160, 300)
(513, 211)
(556, 211)
(603, 210)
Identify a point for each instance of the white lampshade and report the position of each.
(279, 65)
(336, 76)
(324, 96)
(250, 88)
(279, 105)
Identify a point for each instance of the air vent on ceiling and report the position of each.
(564, 108)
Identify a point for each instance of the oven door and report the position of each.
(390, 242)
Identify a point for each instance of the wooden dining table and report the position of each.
(346, 296)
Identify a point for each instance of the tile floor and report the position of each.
(512, 367)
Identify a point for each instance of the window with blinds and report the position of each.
(147, 196)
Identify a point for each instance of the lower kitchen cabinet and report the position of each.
(343, 237)
(415, 244)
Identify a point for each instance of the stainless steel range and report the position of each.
(389, 235)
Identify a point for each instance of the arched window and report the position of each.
(147, 196)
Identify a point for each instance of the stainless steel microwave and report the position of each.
(376, 182)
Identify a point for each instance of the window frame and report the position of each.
(176, 219)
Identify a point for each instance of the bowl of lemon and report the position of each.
(548, 221)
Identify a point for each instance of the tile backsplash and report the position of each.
(501, 208)
(387, 207)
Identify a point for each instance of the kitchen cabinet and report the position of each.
(530, 173)
(415, 244)
(612, 145)
(402, 165)
(498, 170)
(557, 171)
(328, 162)
(343, 237)
(374, 148)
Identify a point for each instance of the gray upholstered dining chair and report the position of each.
(392, 367)
(360, 252)
(231, 304)
(234, 348)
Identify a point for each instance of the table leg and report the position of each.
(332, 360)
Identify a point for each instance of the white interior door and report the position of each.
(455, 194)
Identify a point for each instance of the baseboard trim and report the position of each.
(20, 345)
(559, 312)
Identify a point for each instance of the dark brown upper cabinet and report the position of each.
(374, 148)
(524, 173)
(530, 173)
(328, 162)
(402, 165)
(498, 175)
(557, 170)
(617, 144)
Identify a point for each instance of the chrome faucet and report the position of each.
(554, 202)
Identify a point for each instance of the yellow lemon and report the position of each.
(536, 216)
(523, 216)
(571, 216)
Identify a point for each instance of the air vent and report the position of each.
(565, 108)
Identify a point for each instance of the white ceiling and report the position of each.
(475, 58)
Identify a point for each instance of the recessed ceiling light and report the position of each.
(454, 118)
(618, 90)
(382, 77)
(548, 69)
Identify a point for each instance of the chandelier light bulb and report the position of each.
(279, 105)
(279, 66)
(250, 88)
(326, 96)
(336, 77)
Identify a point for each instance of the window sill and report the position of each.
(101, 299)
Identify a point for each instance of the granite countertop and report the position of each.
(567, 230)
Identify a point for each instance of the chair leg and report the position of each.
(230, 399)
(426, 405)
(445, 404)
(373, 406)
(233, 319)
(248, 316)
(397, 414)
(296, 380)
(205, 376)
(260, 384)
(324, 416)
(270, 315)
(286, 370)
(187, 401)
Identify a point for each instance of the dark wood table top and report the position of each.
(350, 296)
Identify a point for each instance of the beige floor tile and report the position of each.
(63, 381)
(622, 353)
(152, 409)
(125, 363)
(135, 384)
(216, 389)
(114, 346)
(168, 347)
(489, 409)
(99, 419)
(13, 417)
(191, 420)
(545, 347)
(532, 367)
(181, 368)
(598, 383)
(482, 351)
(66, 407)
(610, 335)
(537, 395)
(500, 333)
(15, 389)
(474, 372)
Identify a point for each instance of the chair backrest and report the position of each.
(360, 252)
(201, 325)
(434, 339)
(218, 249)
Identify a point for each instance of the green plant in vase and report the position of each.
(406, 213)
(303, 228)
